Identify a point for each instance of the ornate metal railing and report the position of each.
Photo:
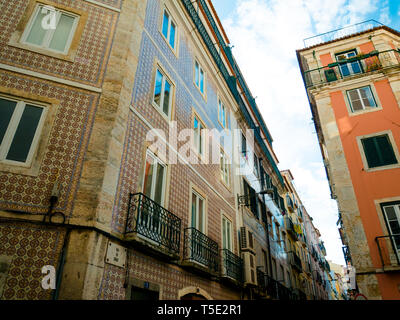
(232, 265)
(342, 32)
(201, 249)
(295, 261)
(150, 220)
(389, 249)
(354, 66)
(274, 289)
(290, 227)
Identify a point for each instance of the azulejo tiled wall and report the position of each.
(94, 45)
(29, 247)
(64, 152)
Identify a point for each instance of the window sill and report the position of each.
(174, 51)
(204, 95)
(361, 112)
(387, 167)
(165, 117)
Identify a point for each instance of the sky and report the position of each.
(265, 35)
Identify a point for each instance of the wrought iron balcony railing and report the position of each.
(201, 250)
(352, 67)
(389, 250)
(232, 265)
(290, 227)
(153, 222)
(273, 288)
(295, 261)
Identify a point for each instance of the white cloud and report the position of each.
(266, 34)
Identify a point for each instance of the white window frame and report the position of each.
(222, 118)
(197, 225)
(224, 168)
(49, 33)
(170, 21)
(199, 143)
(364, 107)
(162, 96)
(198, 79)
(157, 161)
(225, 225)
(12, 128)
(396, 207)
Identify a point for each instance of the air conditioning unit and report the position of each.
(250, 272)
(246, 240)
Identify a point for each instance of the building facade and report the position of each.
(134, 162)
(352, 82)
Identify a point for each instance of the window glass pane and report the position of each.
(201, 215)
(167, 94)
(62, 33)
(37, 33)
(201, 80)
(157, 88)
(390, 213)
(172, 35)
(25, 133)
(196, 75)
(165, 25)
(367, 97)
(386, 150)
(355, 100)
(228, 234)
(194, 220)
(224, 244)
(7, 108)
(371, 153)
(200, 138)
(196, 133)
(159, 187)
(148, 176)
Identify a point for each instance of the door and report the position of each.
(392, 217)
(347, 69)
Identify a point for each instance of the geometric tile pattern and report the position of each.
(64, 153)
(92, 53)
(31, 247)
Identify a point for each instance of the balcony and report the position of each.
(374, 61)
(232, 266)
(151, 225)
(200, 252)
(295, 261)
(389, 252)
(290, 204)
(274, 289)
(290, 227)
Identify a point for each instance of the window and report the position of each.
(163, 93)
(361, 99)
(222, 115)
(244, 146)
(251, 197)
(278, 233)
(154, 178)
(20, 127)
(392, 217)
(198, 136)
(198, 212)
(224, 166)
(378, 151)
(199, 76)
(226, 234)
(274, 270)
(58, 39)
(255, 167)
(169, 29)
(348, 68)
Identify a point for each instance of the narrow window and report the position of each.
(58, 39)
(169, 29)
(199, 76)
(198, 135)
(226, 234)
(20, 124)
(255, 166)
(378, 151)
(198, 214)
(361, 98)
(392, 218)
(163, 93)
(154, 178)
(224, 167)
(222, 116)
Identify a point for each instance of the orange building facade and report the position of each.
(353, 86)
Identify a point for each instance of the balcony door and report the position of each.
(349, 68)
(392, 217)
(154, 189)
